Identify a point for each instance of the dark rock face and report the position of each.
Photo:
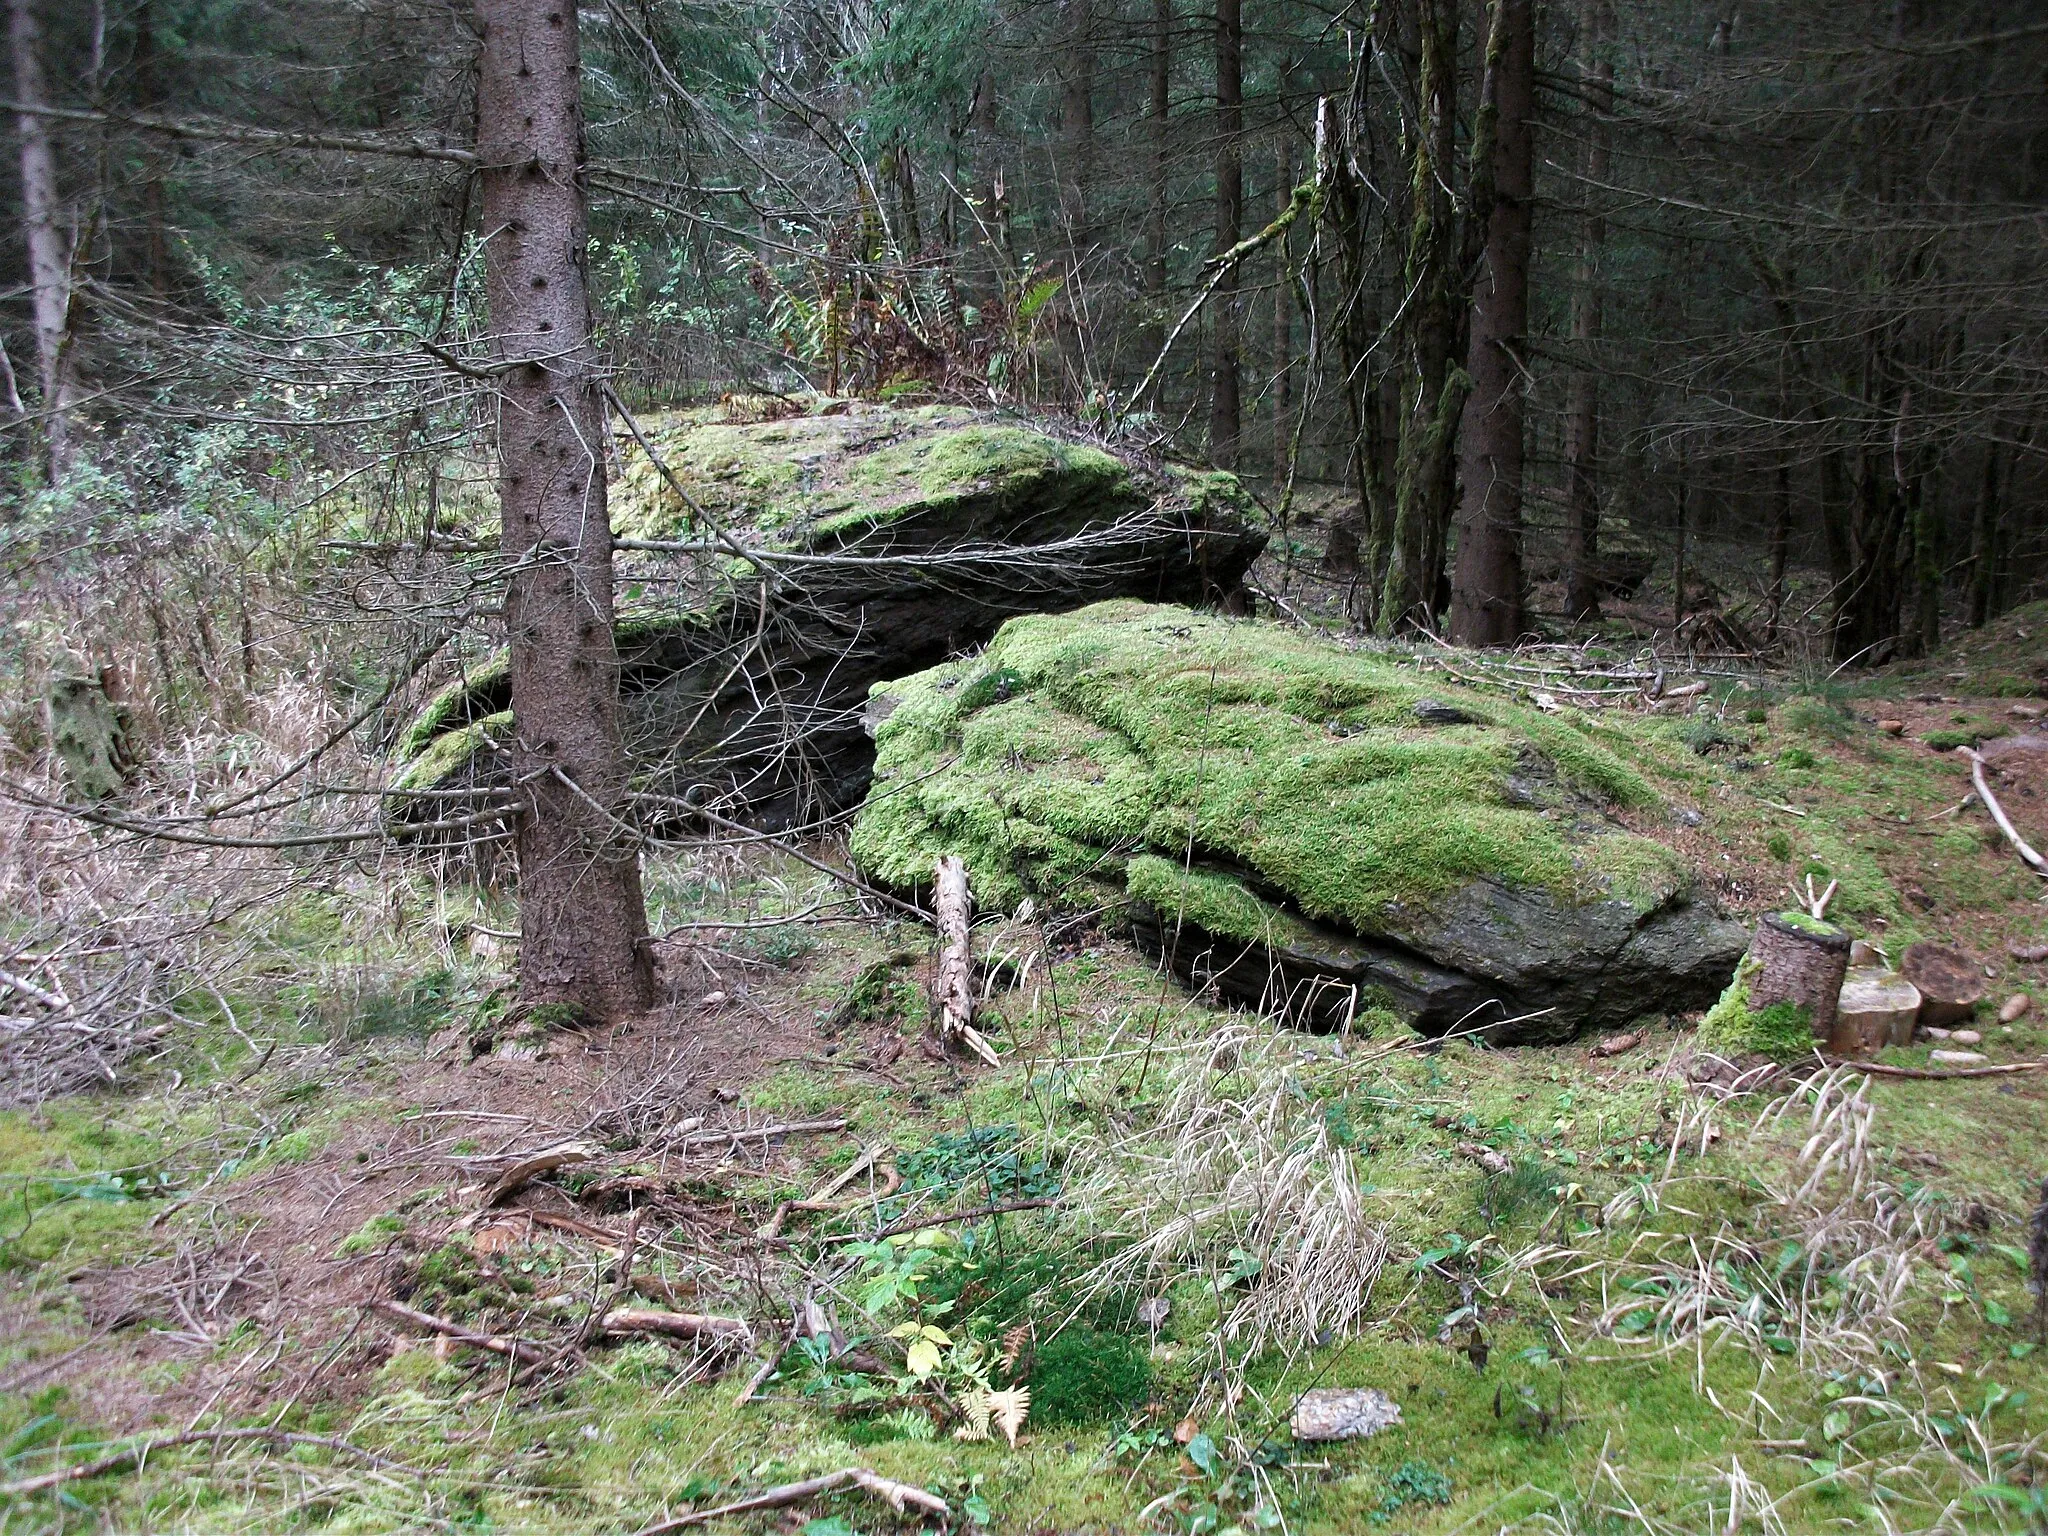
(854, 547)
(1515, 966)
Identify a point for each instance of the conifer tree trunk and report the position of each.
(1486, 592)
(1431, 392)
(1224, 409)
(48, 242)
(1582, 404)
(582, 918)
(1283, 311)
(1158, 109)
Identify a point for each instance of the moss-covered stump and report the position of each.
(836, 549)
(1309, 829)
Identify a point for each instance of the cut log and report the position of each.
(1800, 960)
(1951, 981)
(1876, 1008)
(952, 905)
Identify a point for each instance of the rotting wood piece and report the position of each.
(729, 1332)
(1801, 960)
(954, 991)
(527, 1169)
(1876, 1008)
(1951, 981)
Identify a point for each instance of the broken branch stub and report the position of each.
(954, 993)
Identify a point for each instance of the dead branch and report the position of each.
(733, 1332)
(517, 1349)
(704, 1141)
(2033, 860)
(899, 1497)
(1931, 1074)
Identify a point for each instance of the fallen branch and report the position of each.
(2034, 861)
(517, 1349)
(123, 1457)
(734, 1331)
(899, 1496)
(706, 1140)
(774, 1359)
(1930, 1074)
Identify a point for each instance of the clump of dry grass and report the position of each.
(1249, 1181)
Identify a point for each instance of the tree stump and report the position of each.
(1876, 1008)
(1800, 960)
(1951, 981)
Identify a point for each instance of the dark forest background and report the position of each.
(1786, 354)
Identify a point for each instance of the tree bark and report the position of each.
(581, 914)
(1225, 322)
(48, 243)
(1582, 402)
(1159, 109)
(1984, 541)
(1802, 965)
(1486, 592)
(1283, 311)
(1432, 393)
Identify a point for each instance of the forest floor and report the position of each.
(1604, 1298)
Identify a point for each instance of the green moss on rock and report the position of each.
(448, 753)
(1133, 727)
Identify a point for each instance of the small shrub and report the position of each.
(1756, 716)
(989, 1159)
(1413, 1482)
(1780, 845)
(1082, 1376)
(1797, 757)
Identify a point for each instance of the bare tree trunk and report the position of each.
(1077, 175)
(1224, 409)
(582, 918)
(1159, 109)
(1486, 593)
(1582, 403)
(1432, 393)
(1781, 543)
(49, 244)
(1984, 541)
(1283, 310)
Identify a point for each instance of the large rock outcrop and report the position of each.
(1307, 828)
(831, 551)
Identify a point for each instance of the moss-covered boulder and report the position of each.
(826, 552)
(1306, 827)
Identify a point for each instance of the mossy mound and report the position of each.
(878, 541)
(1281, 814)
